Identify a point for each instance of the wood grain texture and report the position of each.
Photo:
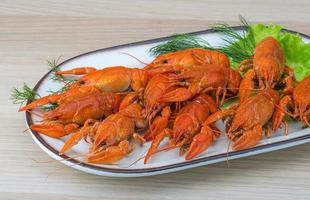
(34, 31)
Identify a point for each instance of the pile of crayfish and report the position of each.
(178, 96)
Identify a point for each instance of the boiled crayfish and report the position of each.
(110, 138)
(187, 127)
(110, 79)
(245, 126)
(269, 69)
(185, 59)
(73, 113)
(299, 102)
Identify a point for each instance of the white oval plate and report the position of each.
(163, 162)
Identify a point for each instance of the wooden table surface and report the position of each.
(34, 31)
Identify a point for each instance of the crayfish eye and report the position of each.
(165, 61)
(55, 118)
(81, 82)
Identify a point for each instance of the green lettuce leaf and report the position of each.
(261, 31)
(297, 54)
(230, 103)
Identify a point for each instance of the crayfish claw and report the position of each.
(159, 124)
(155, 143)
(54, 129)
(76, 138)
(200, 142)
(77, 71)
(111, 154)
(249, 138)
(280, 111)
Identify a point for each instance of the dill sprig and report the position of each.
(238, 46)
(50, 106)
(61, 90)
(19, 96)
(179, 42)
(54, 67)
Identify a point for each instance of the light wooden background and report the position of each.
(33, 31)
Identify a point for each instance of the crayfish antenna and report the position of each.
(137, 59)
(219, 115)
(227, 152)
(245, 64)
(64, 166)
(34, 113)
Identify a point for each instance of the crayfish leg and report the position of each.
(128, 99)
(220, 91)
(138, 138)
(209, 101)
(245, 64)
(305, 117)
(218, 115)
(288, 81)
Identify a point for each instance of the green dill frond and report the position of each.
(179, 42)
(50, 106)
(61, 90)
(54, 67)
(19, 96)
(238, 46)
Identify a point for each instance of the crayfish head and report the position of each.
(268, 70)
(139, 79)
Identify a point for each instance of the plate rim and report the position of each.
(152, 170)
